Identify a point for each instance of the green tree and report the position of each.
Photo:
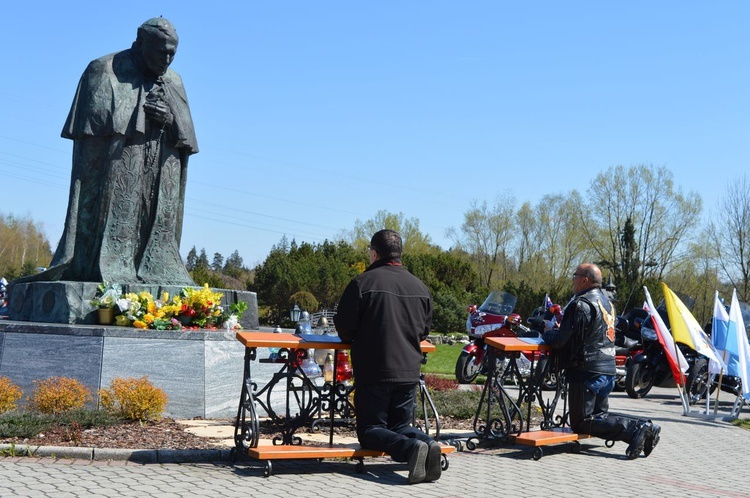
(23, 247)
(234, 265)
(414, 241)
(486, 235)
(451, 280)
(218, 263)
(192, 258)
(203, 275)
(323, 270)
(661, 217)
(202, 260)
(550, 243)
(730, 232)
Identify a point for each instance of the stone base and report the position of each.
(201, 372)
(68, 302)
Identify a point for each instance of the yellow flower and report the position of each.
(122, 321)
(140, 325)
(148, 318)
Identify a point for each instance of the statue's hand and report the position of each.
(159, 111)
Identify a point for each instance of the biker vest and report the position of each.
(597, 344)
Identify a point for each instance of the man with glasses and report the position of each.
(386, 312)
(586, 349)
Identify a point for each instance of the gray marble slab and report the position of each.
(200, 371)
(29, 357)
(177, 367)
(223, 381)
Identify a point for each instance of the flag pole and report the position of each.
(683, 395)
(718, 390)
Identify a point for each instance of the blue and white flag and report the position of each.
(737, 343)
(719, 330)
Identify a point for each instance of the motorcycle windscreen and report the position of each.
(499, 303)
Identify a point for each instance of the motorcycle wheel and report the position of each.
(697, 381)
(466, 369)
(620, 383)
(548, 379)
(639, 380)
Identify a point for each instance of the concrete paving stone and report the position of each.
(684, 464)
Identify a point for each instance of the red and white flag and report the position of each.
(677, 362)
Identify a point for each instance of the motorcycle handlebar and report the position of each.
(527, 332)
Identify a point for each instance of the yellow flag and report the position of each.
(686, 329)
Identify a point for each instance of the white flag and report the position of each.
(737, 336)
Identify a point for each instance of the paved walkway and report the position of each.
(695, 457)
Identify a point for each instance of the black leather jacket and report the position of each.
(385, 312)
(585, 339)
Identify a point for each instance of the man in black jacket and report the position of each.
(386, 312)
(585, 344)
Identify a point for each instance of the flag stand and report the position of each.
(739, 403)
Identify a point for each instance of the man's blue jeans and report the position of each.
(588, 406)
(600, 385)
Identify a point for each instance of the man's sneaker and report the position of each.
(652, 440)
(417, 461)
(639, 440)
(432, 467)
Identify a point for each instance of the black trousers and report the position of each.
(589, 414)
(384, 415)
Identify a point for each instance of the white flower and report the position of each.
(231, 322)
(123, 304)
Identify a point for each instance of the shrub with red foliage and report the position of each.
(436, 383)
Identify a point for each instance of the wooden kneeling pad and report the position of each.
(289, 452)
(553, 436)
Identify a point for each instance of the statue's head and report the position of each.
(156, 45)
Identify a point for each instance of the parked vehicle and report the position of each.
(650, 367)
(494, 318)
(628, 343)
(3, 297)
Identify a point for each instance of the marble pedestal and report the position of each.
(201, 372)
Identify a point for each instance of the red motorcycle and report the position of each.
(628, 343)
(494, 318)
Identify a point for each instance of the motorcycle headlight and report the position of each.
(648, 333)
(483, 329)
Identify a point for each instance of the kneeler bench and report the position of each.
(305, 452)
(537, 439)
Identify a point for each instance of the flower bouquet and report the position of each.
(105, 300)
(195, 308)
(106, 296)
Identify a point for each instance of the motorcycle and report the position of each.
(3, 297)
(650, 367)
(495, 318)
(628, 343)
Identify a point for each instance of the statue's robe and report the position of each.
(127, 188)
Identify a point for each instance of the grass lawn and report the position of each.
(443, 360)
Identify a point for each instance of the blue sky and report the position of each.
(312, 115)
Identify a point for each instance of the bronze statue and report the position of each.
(133, 134)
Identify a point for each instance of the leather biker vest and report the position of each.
(598, 340)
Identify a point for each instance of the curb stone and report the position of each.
(104, 454)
